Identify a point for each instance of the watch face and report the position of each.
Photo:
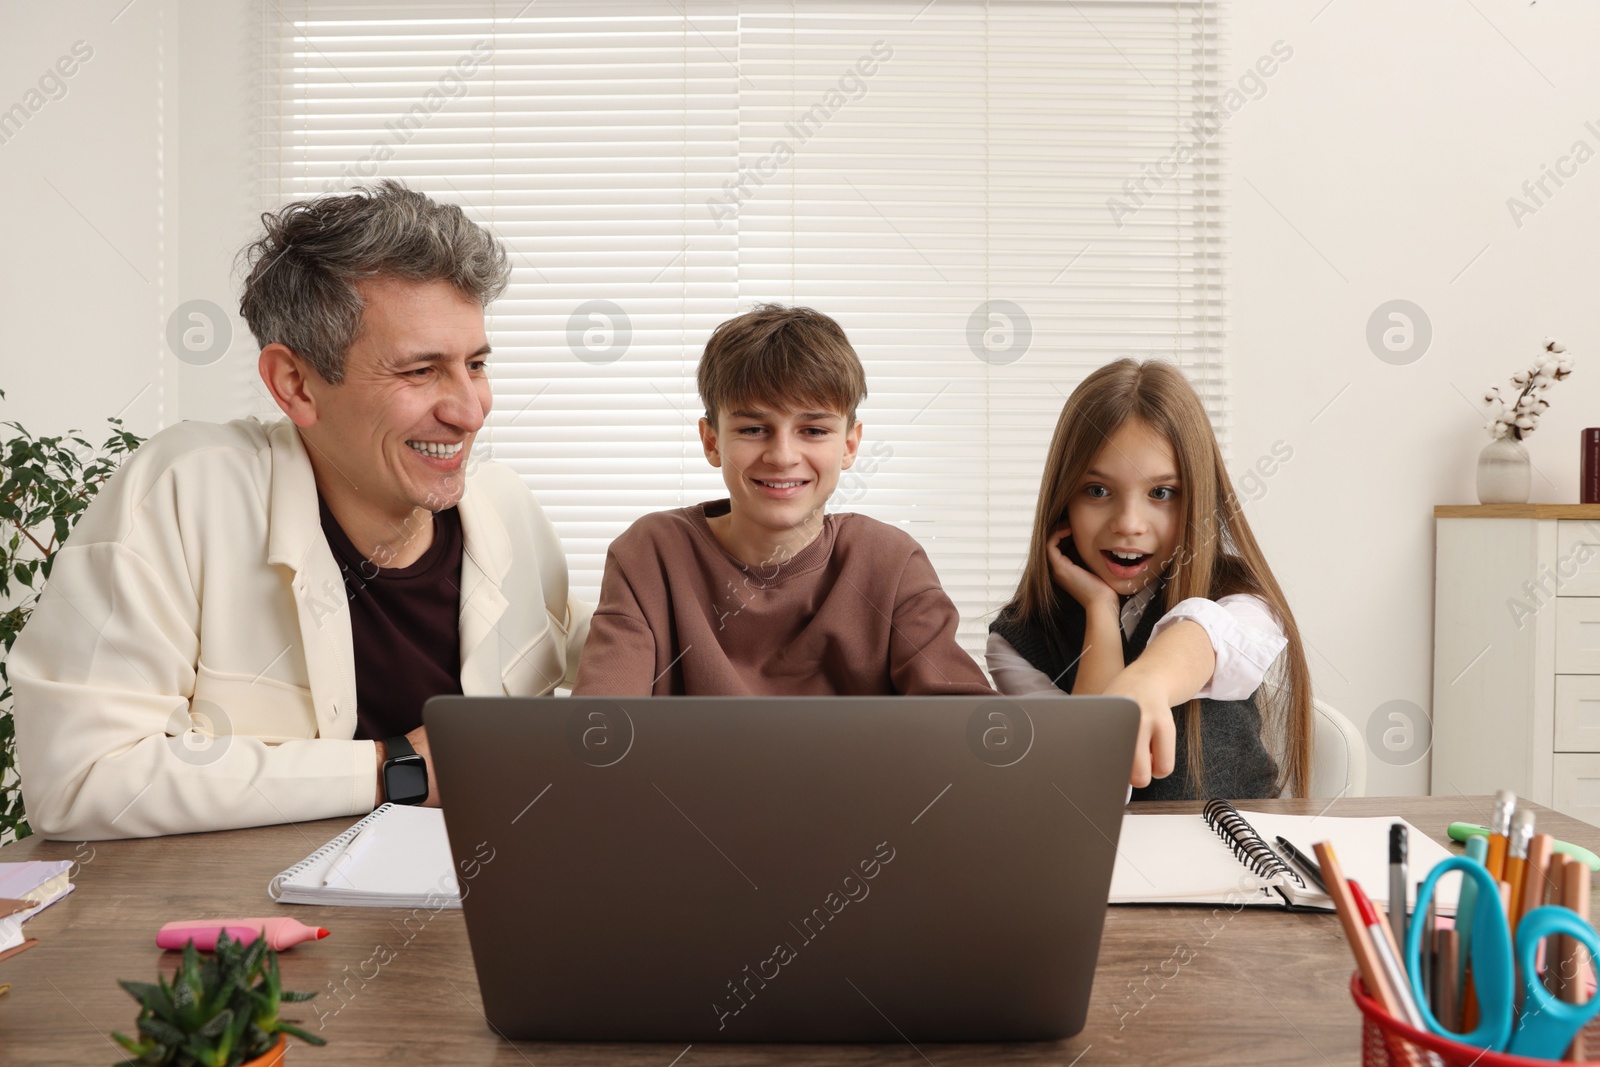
(405, 780)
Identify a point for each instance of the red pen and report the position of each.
(282, 932)
(1392, 970)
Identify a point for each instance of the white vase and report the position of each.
(1504, 474)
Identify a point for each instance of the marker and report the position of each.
(1305, 862)
(281, 931)
(1505, 802)
(1397, 880)
(1430, 928)
(1477, 848)
(1466, 831)
(1379, 932)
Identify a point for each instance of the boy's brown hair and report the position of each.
(775, 354)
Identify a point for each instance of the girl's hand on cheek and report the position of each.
(1086, 587)
(1154, 752)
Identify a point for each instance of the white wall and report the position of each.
(127, 191)
(1384, 151)
(1376, 167)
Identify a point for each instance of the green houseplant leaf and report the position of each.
(46, 483)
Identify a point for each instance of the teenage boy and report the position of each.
(764, 593)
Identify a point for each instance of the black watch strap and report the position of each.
(397, 746)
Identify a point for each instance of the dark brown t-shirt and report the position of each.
(405, 623)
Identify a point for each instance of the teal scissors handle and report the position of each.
(1492, 973)
(1546, 1026)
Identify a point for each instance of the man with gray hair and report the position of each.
(246, 622)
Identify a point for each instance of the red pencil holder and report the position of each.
(1385, 1041)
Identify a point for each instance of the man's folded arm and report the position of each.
(111, 743)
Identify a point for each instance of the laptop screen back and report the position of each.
(817, 869)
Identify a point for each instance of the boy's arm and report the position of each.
(924, 656)
(1171, 670)
(1101, 658)
(619, 652)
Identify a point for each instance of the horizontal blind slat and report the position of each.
(629, 153)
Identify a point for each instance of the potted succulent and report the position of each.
(218, 1011)
(1504, 470)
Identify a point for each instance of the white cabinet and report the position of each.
(1516, 654)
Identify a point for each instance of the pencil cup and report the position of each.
(1389, 1042)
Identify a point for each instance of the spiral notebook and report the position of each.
(397, 857)
(1223, 856)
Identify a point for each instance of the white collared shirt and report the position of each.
(1244, 634)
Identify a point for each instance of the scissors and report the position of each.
(1546, 1025)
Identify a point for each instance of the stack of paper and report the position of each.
(25, 890)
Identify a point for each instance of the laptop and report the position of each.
(784, 869)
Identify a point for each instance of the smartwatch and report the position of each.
(405, 774)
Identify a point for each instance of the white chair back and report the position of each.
(1338, 754)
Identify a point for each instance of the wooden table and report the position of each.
(1259, 985)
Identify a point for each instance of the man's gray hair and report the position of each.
(301, 287)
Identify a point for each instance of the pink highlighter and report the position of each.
(281, 932)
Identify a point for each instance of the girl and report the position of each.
(1144, 580)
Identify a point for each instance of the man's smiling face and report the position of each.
(395, 434)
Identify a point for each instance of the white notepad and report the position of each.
(1182, 859)
(397, 857)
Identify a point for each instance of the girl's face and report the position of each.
(1126, 512)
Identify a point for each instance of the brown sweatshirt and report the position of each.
(857, 612)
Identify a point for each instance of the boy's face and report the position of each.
(780, 464)
(1127, 510)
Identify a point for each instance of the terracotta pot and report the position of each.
(273, 1057)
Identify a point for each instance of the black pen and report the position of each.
(1397, 882)
(1305, 862)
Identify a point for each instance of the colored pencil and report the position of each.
(1446, 988)
(1505, 803)
(1355, 932)
(1361, 946)
(1575, 960)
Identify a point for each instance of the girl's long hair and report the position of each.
(1216, 554)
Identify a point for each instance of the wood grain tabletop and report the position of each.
(1191, 985)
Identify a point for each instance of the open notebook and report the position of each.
(397, 857)
(1223, 856)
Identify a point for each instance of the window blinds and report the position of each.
(985, 195)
